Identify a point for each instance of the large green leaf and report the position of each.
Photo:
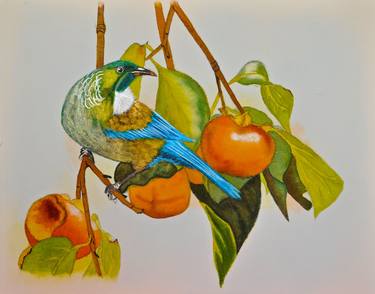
(281, 158)
(321, 181)
(240, 215)
(160, 170)
(216, 193)
(109, 253)
(253, 72)
(135, 53)
(182, 101)
(278, 191)
(275, 172)
(279, 102)
(295, 187)
(53, 256)
(224, 244)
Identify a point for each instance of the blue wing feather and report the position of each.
(177, 153)
(158, 128)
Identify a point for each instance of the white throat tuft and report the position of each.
(123, 101)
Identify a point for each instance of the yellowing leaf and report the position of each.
(135, 53)
(224, 244)
(54, 256)
(182, 101)
(253, 72)
(321, 181)
(279, 101)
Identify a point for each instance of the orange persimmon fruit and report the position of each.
(161, 198)
(235, 149)
(55, 215)
(194, 175)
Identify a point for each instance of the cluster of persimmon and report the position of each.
(229, 145)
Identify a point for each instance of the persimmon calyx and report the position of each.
(243, 119)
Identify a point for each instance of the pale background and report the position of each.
(322, 50)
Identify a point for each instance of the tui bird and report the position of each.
(102, 115)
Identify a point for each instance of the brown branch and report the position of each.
(100, 32)
(107, 182)
(86, 209)
(215, 66)
(155, 51)
(160, 20)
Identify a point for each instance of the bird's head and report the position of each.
(118, 75)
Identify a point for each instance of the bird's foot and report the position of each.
(86, 152)
(111, 189)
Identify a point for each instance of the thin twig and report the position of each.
(86, 209)
(107, 182)
(167, 26)
(100, 33)
(155, 51)
(160, 20)
(81, 190)
(215, 67)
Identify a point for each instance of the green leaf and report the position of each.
(54, 256)
(278, 191)
(275, 172)
(182, 101)
(216, 193)
(281, 158)
(224, 244)
(295, 187)
(240, 215)
(109, 253)
(135, 53)
(258, 118)
(253, 72)
(321, 181)
(160, 170)
(279, 102)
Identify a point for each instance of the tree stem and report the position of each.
(215, 66)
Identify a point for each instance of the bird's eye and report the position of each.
(120, 69)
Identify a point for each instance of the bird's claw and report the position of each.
(110, 189)
(86, 152)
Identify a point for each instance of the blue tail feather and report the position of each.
(177, 153)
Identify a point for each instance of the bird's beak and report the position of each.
(141, 71)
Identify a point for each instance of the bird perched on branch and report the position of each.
(102, 115)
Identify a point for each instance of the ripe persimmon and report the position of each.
(55, 215)
(234, 149)
(161, 198)
(194, 175)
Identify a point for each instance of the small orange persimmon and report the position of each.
(234, 149)
(55, 215)
(161, 198)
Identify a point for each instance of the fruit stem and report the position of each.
(220, 93)
(163, 28)
(215, 66)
